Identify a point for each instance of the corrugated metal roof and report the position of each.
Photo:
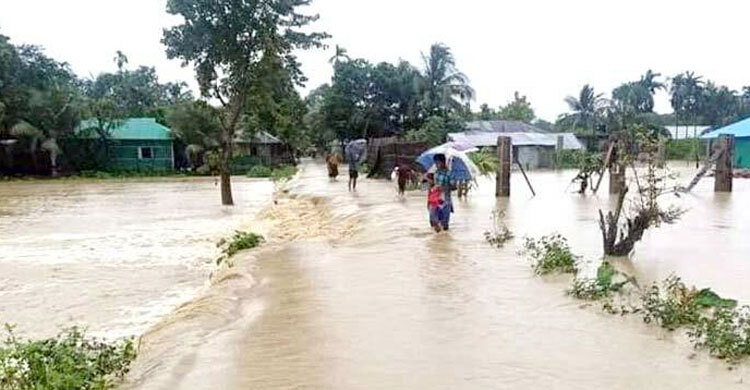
(739, 129)
(482, 139)
(135, 128)
(261, 137)
(502, 126)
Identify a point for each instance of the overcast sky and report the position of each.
(546, 49)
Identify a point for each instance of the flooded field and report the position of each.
(354, 292)
(114, 256)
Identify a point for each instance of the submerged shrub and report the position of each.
(670, 305)
(68, 361)
(283, 172)
(239, 242)
(603, 286)
(550, 254)
(725, 334)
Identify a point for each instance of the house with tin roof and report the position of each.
(138, 144)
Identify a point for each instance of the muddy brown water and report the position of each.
(354, 292)
(112, 256)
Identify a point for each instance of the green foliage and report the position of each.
(672, 305)
(68, 361)
(435, 130)
(238, 242)
(603, 286)
(725, 334)
(550, 254)
(485, 160)
(260, 171)
(284, 172)
(517, 110)
(682, 149)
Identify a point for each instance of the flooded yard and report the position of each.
(113, 256)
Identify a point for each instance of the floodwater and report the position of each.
(112, 256)
(354, 292)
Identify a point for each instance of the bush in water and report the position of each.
(725, 334)
(284, 172)
(239, 242)
(550, 254)
(259, 171)
(675, 305)
(68, 361)
(603, 286)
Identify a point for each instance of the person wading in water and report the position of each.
(444, 179)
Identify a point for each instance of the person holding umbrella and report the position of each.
(445, 180)
(451, 165)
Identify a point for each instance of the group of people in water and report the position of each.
(439, 185)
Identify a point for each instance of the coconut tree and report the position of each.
(686, 91)
(585, 109)
(443, 88)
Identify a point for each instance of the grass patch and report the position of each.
(550, 254)
(68, 361)
(238, 242)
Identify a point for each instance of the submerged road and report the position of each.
(355, 292)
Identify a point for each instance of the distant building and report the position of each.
(741, 132)
(502, 126)
(532, 147)
(139, 144)
(265, 149)
(686, 131)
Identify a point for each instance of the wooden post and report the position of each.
(616, 178)
(504, 149)
(661, 153)
(559, 150)
(724, 172)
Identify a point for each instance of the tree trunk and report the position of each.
(225, 174)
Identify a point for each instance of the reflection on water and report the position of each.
(391, 306)
(113, 256)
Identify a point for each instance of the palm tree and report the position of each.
(339, 56)
(649, 82)
(585, 109)
(686, 91)
(442, 87)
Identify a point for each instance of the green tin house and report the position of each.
(741, 133)
(140, 144)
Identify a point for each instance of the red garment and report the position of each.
(435, 197)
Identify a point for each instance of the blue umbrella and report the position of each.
(459, 164)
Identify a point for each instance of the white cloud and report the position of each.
(546, 49)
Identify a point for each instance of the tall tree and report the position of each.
(339, 55)
(444, 88)
(225, 40)
(585, 110)
(517, 110)
(686, 92)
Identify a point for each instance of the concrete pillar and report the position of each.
(724, 168)
(559, 151)
(504, 150)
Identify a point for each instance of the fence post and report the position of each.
(724, 168)
(559, 151)
(504, 149)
